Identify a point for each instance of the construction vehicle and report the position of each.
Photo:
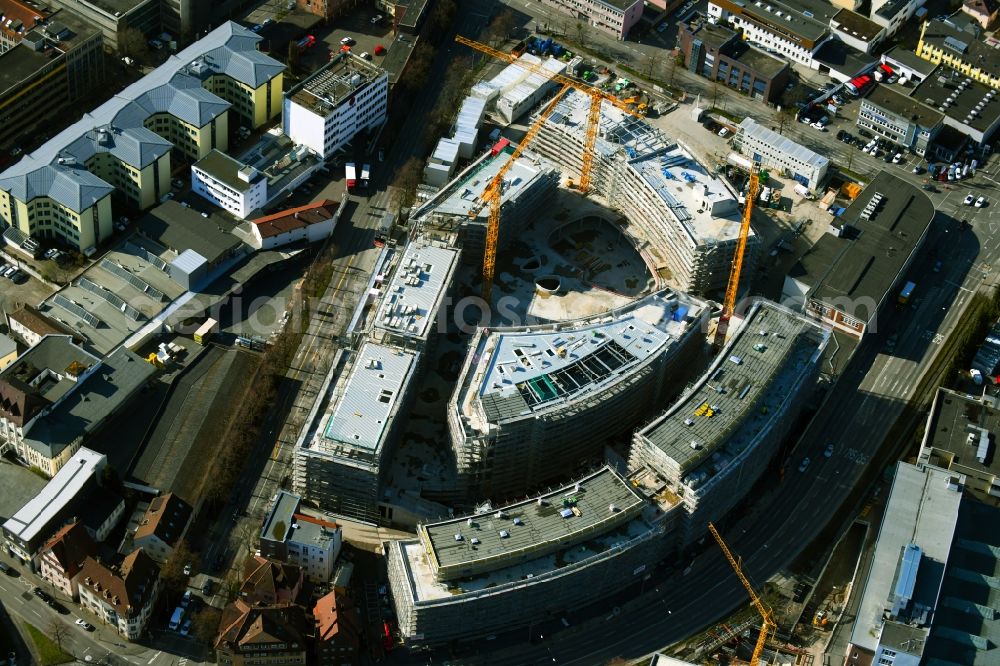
(729, 303)
(768, 624)
(820, 619)
(494, 192)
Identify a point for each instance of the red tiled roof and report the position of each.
(336, 620)
(71, 546)
(126, 587)
(295, 218)
(246, 627)
(315, 521)
(166, 517)
(18, 11)
(270, 582)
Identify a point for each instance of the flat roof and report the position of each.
(278, 524)
(857, 26)
(805, 18)
(114, 7)
(890, 99)
(524, 371)
(711, 34)
(57, 493)
(740, 393)
(413, 295)
(759, 61)
(18, 64)
(953, 418)
(397, 56)
(841, 57)
(51, 367)
(181, 228)
(531, 528)
(922, 509)
(227, 170)
(335, 82)
(960, 44)
(858, 264)
(908, 59)
(961, 97)
(359, 420)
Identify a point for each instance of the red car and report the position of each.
(379, 49)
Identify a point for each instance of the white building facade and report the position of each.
(237, 188)
(615, 17)
(775, 151)
(329, 108)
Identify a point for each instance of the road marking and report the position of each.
(153, 658)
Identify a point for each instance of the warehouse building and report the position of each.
(510, 567)
(907, 64)
(326, 110)
(341, 457)
(684, 221)
(945, 42)
(793, 30)
(63, 190)
(774, 151)
(532, 403)
(903, 120)
(848, 276)
(713, 445)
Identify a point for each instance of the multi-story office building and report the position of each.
(857, 31)
(517, 565)
(340, 461)
(229, 184)
(113, 17)
(615, 17)
(328, 108)
(121, 596)
(794, 30)
(894, 14)
(308, 542)
(847, 277)
(968, 105)
(774, 151)
(56, 394)
(717, 53)
(532, 404)
(63, 190)
(711, 447)
(685, 220)
(942, 41)
(903, 120)
(45, 68)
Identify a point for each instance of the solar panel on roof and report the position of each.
(139, 284)
(75, 309)
(110, 297)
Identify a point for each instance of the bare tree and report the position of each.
(57, 631)
(293, 56)
(500, 27)
(672, 65)
(440, 19)
(404, 185)
(132, 43)
(650, 64)
(205, 624)
(172, 574)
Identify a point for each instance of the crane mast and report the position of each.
(732, 288)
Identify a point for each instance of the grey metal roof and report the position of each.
(135, 146)
(173, 87)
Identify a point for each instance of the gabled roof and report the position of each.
(127, 587)
(184, 98)
(268, 582)
(41, 324)
(336, 620)
(295, 218)
(238, 58)
(245, 627)
(166, 517)
(71, 546)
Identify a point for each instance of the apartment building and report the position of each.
(532, 404)
(162, 526)
(793, 30)
(338, 630)
(327, 109)
(229, 184)
(710, 447)
(62, 191)
(942, 41)
(262, 635)
(121, 596)
(62, 557)
(615, 17)
(774, 151)
(270, 583)
(300, 539)
(903, 120)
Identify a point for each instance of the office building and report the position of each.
(326, 110)
(848, 276)
(969, 106)
(894, 14)
(62, 191)
(113, 17)
(305, 541)
(46, 66)
(121, 596)
(888, 112)
(55, 395)
(710, 447)
(32, 525)
(793, 30)
(717, 53)
(614, 17)
(341, 459)
(774, 151)
(514, 566)
(857, 31)
(162, 527)
(531, 404)
(236, 187)
(686, 220)
(943, 41)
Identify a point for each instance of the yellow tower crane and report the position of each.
(729, 304)
(493, 193)
(769, 625)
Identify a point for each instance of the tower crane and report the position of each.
(769, 625)
(493, 193)
(729, 303)
(596, 97)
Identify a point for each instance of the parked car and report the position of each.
(347, 41)
(897, 158)
(186, 628)
(918, 170)
(937, 266)
(804, 464)
(366, 55)
(7, 569)
(724, 132)
(83, 624)
(206, 587)
(376, 19)
(980, 202)
(187, 569)
(969, 198)
(828, 451)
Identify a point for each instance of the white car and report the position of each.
(980, 202)
(347, 41)
(897, 158)
(969, 199)
(723, 132)
(376, 19)
(83, 624)
(820, 126)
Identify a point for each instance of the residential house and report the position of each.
(337, 630)
(163, 525)
(121, 596)
(261, 635)
(984, 12)
(61, 558)
(270, 583)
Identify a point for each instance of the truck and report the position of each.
(383, 232)
(352, 176)
(906, 292)
(306, 42)
(366, 170)
(204, 332)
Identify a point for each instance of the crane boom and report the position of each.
(494, 191)
(732, 288)
(768, 621)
